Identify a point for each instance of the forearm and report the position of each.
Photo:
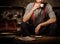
(52, 20)
(27, 17)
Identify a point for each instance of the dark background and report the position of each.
(21, 4)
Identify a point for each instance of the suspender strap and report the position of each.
(45, 11)
(33, 15)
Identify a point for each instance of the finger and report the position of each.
(36, 32)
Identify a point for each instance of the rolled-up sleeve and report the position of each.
(50, 11)
(28, 8)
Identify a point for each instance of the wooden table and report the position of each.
(44, 39)
(39, 40)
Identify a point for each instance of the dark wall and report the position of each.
(5, 2)
(23, 3)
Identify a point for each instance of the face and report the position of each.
(40, 1)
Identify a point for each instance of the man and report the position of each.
(35, 15)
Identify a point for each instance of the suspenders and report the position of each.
(32, 17)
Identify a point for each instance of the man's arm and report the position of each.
(51, 15)
(28, 15)
(49, 21)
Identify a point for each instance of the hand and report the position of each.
(37, 29)
(37, 5)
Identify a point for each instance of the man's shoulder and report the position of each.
(48, 4)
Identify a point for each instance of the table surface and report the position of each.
(43, 39)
